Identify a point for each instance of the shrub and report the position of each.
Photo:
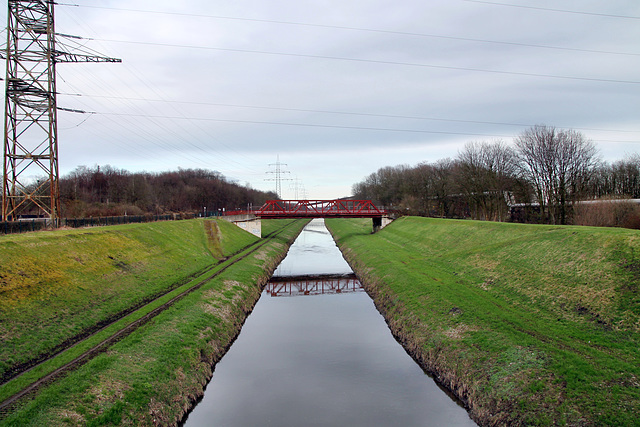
(607, 213)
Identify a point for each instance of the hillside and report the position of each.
(108, 191)
(57, 286)
(526, 324)
(172, 297)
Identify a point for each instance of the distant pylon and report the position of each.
(297, 187)
(278, 172)
(30, 174)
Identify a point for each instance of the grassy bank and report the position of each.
(153, 375)
(57, 286)
(528, 325)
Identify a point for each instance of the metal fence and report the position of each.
(24, 226)
(15, 227)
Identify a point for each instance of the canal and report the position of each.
(316, 352)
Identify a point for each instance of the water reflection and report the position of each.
(313, 286)
(314, 253)
(329, 360)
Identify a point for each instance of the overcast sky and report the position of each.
(339, 88)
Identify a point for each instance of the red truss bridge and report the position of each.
(320, 209)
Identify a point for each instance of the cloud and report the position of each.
(338, 89)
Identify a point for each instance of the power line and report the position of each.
(362, 29)
(144, 132)
(345, 127)
(326, 126)
(321, 111)
(347, 113)
(377, 61)
(193, 143)
(548, 9)
(312, 125)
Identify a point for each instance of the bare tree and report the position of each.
(109, 191)
(425, 189)
(387, 186)
(442, 185)
(486, 172)
(558, 163)
(618, 180)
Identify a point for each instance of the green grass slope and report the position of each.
(56, 286)
(154, 375)
(528, 325)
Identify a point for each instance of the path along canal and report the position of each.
(316, 352)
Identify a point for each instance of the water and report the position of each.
(317, 353)
(313, 253)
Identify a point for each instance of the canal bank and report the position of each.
(315, 352)
(528, 325)
(153, 375)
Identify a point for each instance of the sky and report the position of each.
(333, 90)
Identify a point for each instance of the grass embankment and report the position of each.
(528, 325)
(154, 374)
(55, 287)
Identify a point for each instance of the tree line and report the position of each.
(547, 175)
(108, 191)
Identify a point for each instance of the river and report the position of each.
(316, 352)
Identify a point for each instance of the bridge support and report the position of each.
(249, 223)
(380, 222)
(253, 226)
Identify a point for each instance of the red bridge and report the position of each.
(320, 209)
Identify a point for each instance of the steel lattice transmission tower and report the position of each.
(278, 175)
(30, 131)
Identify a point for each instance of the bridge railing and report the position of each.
(319, 209)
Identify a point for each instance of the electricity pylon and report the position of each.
(278, 175)
(31, 121)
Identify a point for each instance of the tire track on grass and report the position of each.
(33, 388)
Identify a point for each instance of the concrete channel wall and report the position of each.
(247, 222)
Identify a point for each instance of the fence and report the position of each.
(14, 227)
